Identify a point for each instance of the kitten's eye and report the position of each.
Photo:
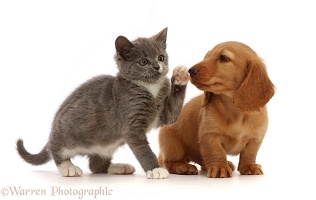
(161, 58)
(143, 61)
(223, 58)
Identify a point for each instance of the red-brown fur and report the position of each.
(230, 118)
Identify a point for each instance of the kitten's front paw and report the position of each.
(121, 168)
(181, 75)
(157, 173)
(68, 169)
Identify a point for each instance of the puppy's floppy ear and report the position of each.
(256, 90)
(206, 98)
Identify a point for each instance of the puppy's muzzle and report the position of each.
(193, 71)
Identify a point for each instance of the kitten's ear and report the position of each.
(161, 37)
(124, 47)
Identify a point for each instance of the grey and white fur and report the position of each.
(108, 111)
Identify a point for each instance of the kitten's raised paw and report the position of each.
(68, 169)
(157, 173)
(181, 75)
(121, 168)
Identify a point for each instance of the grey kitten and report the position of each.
(108, 111)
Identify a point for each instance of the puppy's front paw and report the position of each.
(180, 75)
(184, 169)
(157, 173)
(220, 172)
(253, 169)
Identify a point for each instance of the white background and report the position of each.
(47, 48)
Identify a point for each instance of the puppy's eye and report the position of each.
(161, 58)
(143, 61)
(223, 58)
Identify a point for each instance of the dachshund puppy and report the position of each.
(229, 118)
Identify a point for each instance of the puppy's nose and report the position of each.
(193, 71)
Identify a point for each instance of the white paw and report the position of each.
(157, 173)
(68, 169)
(121, 168)
(181, 75)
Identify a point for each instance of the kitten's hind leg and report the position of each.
(100, 164)
(121, 168)
(68, 169)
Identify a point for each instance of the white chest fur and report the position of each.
(153, 88)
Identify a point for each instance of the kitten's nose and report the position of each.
(193, 71)
(158, 67)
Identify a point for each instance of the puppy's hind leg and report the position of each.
(172, 154)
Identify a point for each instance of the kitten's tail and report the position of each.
(35, 159)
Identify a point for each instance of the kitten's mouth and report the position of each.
(152, 79)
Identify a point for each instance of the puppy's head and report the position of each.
(235, 70)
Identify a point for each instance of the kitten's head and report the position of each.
(144, 59)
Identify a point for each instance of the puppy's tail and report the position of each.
(35, 159)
